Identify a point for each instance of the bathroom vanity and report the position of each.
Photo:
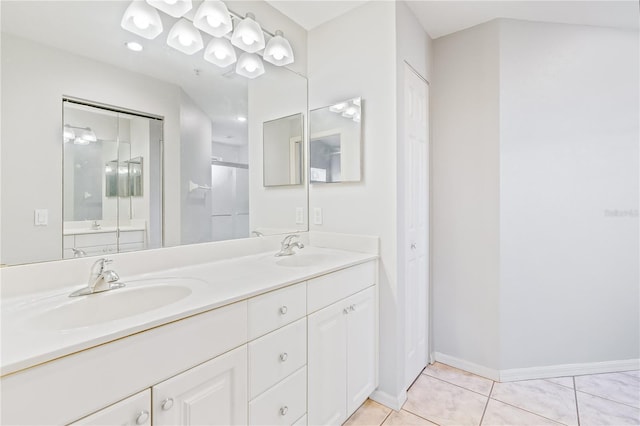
(248, 340)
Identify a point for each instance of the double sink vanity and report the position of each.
(244, 338)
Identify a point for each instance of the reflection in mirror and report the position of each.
(211, 133)
(282, 150)
(106, 207)
(334, 142)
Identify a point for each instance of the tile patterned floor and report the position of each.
(444, 395)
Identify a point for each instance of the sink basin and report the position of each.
(111, 305)
(301, 260)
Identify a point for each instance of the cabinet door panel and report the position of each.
(327, 364)
(135, 410)
(361, 348)
(213, 393)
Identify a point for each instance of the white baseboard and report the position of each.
(465, 365)
(568, 370)
(393, 402)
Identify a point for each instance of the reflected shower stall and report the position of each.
(230, 200)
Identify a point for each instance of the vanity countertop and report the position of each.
(101, 230)
(27, 342)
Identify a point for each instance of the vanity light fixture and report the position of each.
(213, 18)
(79, 135)
(175, 8)
(68, 134)
(249, 65)
(132, 45)
(248, 35)
(338, 107)
(220, 52)
(278, 50)
(88, 135)
(185, 37)
(142, 19)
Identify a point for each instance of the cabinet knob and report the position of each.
(414, 246)
(284, 410)
(283, 310)
(142, 417)
(345, 311)
(167, 404)
(284, 356)
(352, 307)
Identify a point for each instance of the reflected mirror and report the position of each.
(334, 142)
(282, 150)
(209, 139)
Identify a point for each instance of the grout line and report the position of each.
(529, 411)
(609, 399)
(418, 415)
(487, 404)
(461, 387)
(575, 395)
(386, 417)
(559, 384)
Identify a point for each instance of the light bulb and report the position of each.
(247, 39)
(251, 67)
(278, 54)
(185, 40)
(214, 20)
(350, 111)
(220, 54)
(141, 22)
(171, 2)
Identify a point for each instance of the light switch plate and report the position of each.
(41, 217)
(299, 216)
(317, 215)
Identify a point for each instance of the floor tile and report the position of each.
(562, 381)
(634, 373)
(405, 418)
(500, 414)
(444, 403)
(369, 414)
(617, 387)
(596, 411)
(459, 377)
(540, 397)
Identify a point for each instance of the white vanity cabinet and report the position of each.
(135, 410)
(213, 393)
(342, 347)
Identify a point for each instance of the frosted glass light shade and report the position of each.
(278, 50)
(249, 65)
(213, 18)
(220, 52)
(185, 37)
(175, 8)
(248, 35)
(142, 19)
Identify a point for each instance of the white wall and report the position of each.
(32, 145)
(465, 199)
(350, 56)
(568, 158)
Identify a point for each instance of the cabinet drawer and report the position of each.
(131, 237)
(68, 241)
(276, 355)
(302, 421)
(131, 247)
(277, 308)
(135, 410)
(328, 289)
(283, 404)
(97, 239)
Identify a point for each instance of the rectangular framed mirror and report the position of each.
(335, 142)
(283, 151)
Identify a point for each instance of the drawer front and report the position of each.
(283, 404)
(97, 239)
(328, 289)
(131, 237)
(135, 410)
(131, 247)
(276, 355)
(302, 421)
(276, 309)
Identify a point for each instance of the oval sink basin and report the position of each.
(300, 260)
(84, 311)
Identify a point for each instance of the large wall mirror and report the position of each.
(198, 175)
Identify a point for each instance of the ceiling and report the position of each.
(443, 17)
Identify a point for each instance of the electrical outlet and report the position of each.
(317, 215)
(41, 217)
(299, 216)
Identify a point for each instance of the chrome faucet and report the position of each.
(257, 233)
(95, 225)
(287, 246)
(100, 279)
(78, 252)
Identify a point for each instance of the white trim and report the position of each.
(465, 365)
(562, 370)
(393, 402)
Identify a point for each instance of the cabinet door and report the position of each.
(327, 365)
(135, 410)
(213, 393)
(361, 348)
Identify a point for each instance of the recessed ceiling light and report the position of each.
(132, 45)
(241, 118)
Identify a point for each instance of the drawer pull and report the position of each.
(284, 410)
(283, 310)
(345, 311)
(167, 404)
(142, 417)
(284, 356)
(352, 308)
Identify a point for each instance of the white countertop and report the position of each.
(101, 230)
(222, 282)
